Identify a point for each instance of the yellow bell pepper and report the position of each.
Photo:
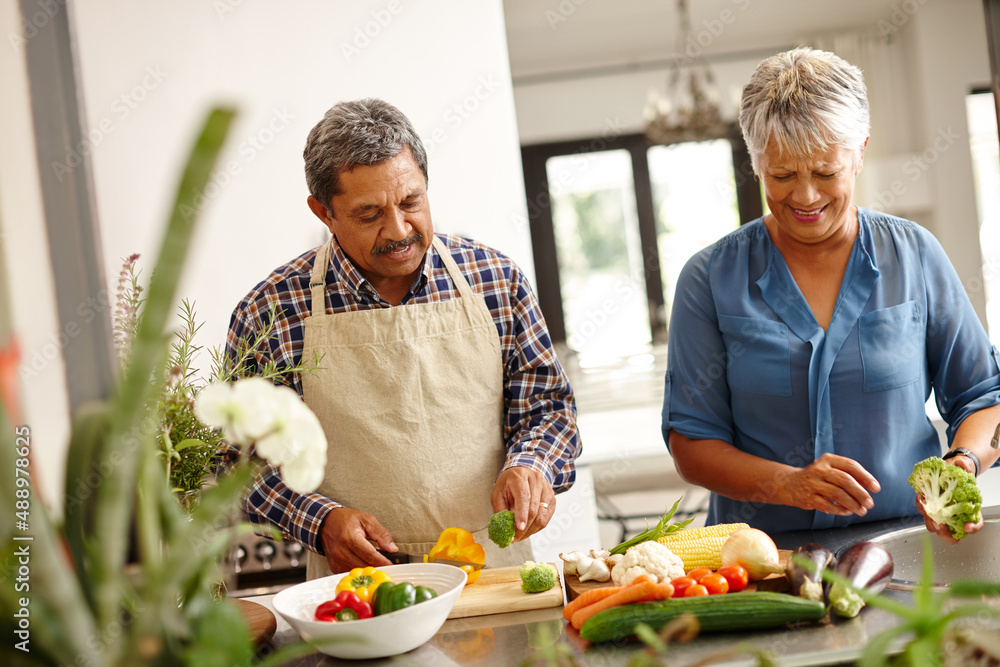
(459, 544)
(363, 581)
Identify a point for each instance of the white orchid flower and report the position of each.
(214, 407)
(273, 418)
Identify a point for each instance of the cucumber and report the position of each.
(716, 613)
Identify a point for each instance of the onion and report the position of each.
(754, 551)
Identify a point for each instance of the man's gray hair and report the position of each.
(804, 101)
(363, 133)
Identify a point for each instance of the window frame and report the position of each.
(543, 241)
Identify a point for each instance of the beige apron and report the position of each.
(411, 399)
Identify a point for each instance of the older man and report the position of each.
(439, 391)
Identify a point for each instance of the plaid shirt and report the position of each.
(540, 423)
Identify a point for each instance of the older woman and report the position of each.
(804, 345)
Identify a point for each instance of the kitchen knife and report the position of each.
(400, 558)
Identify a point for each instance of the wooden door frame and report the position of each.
(543, 240)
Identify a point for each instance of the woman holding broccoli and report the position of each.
(803, 346)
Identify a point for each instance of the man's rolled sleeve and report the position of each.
(540, 427)
(299, 516)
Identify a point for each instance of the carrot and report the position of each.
(663, 591)
(631, 593)
(587, 598)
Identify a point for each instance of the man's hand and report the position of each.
(833, 484)
(528, 494)
(347, 540)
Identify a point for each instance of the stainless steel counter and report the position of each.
(506, 639)
(502, 640)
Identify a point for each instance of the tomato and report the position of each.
(695, 591)
(681, 584)
(716, 584)
(736, 575)
(698, 573)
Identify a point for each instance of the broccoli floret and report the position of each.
(537, 577)
(501, 528)
(951, 495)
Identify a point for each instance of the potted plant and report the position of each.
(79, 603)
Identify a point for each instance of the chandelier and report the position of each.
(689, 111)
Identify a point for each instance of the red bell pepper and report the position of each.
(347, 606)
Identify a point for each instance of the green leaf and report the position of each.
(923, 594)
(221, 638)
(84, 472)
(876, 652)
(189, 442)
(649, 637)
(147, 359)
(970, 588)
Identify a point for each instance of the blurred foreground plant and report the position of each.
(89, 600)
(931, 623)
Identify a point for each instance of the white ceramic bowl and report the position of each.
(380, 636)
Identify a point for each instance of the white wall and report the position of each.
(150, 71)
(949, 52)
(443, 63)
(935, 54)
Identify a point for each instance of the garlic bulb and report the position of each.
(598, 571)
(593, 566)
(570, 562)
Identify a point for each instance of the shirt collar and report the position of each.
(343, 270)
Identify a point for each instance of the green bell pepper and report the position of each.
(390, 597)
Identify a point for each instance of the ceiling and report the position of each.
(556, 39)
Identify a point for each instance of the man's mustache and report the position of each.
(392, 246)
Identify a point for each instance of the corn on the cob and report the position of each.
(700, 547)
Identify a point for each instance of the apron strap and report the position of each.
(317, 280)
(461, 284)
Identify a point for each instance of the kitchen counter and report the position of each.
(507, 639)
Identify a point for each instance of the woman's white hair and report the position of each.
(804, 102)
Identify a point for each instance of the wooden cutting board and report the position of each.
(775, 582)
(498, 590)
(259, 618)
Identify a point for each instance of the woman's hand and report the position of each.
(939, 529)
(833, 484)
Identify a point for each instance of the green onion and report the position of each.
(663, 527)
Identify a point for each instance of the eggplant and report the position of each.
(806, 579)
(866, 565)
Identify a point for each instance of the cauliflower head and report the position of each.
(951, 495)
(651, 558)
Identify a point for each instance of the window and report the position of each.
(694, 197)
(982, 118)
(599, 253)
(613, 221)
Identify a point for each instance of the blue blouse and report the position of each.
(748, 363)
